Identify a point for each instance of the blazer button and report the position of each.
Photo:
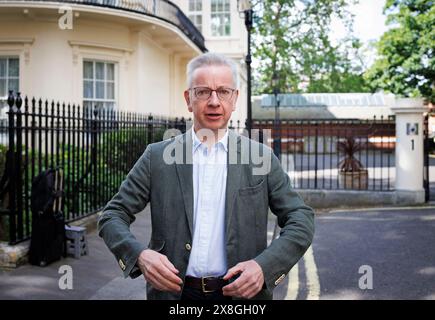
(279, 279)
(188, 246)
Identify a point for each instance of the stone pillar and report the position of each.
(409, 150)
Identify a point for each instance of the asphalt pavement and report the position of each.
(386, 253)
(356, 254)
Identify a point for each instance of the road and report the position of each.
(395, 245)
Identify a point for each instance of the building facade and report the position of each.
(115, 54)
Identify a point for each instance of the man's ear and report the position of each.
(187, 98)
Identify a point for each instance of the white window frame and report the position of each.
(8, 77)
(3, 99)
(94, 80)
(193, 15)
(220, 30)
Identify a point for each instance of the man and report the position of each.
(209, 207)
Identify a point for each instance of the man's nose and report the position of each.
(213, 100)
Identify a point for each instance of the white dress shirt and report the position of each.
(208, 255)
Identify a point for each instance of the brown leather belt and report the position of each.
(205, 284)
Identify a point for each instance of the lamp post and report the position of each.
(246, 7)
(276, 129)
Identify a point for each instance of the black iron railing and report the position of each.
(160, 9)
(95, 148)
(336, 154)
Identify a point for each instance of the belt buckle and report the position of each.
(204, 290)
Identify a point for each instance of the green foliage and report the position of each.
(91, 175)
(3, 150)
(406, 63)
(292, 38)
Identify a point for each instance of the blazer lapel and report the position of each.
(185, 172)
(233, 175)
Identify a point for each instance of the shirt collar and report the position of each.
(223, 141)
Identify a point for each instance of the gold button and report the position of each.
(279, 279)
(188, 246)
(121, 264)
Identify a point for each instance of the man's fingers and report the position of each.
(249, 289)
(169, 265)
(153, 281)
(232, 272)
(168, 274)
(166, 277)
(159, 282)
(249, 293)
(246, 286)
(235, 286)
(159, 271)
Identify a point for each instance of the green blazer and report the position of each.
(168, 187)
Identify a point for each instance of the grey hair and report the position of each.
(211, 59)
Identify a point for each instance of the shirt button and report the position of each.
(188, 247)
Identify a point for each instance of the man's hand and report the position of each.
(248, 284)
(159, 271)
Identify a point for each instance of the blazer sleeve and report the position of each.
(296, 221)
(119, 213)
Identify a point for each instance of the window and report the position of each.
(220, 18)
(99, 84)
(9, 78)
(195, 13)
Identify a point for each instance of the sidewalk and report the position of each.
(96, 276)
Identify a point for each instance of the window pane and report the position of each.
(227, 6)
(88, 90)
(213, 5)
(3, 91)
(13, 85)
(191, 5)
(99, 70)
(13, 68)
(110, 71)
(199, 23)
(214, 25)
(197, 20)
(99, 90)
(88, 70)
(110, 90)
(2, 68)
(227, 24)
(199, 5)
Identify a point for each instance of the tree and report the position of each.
(406, 62)
(292, 38)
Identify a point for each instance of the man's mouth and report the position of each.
(213, 115)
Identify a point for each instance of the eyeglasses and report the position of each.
(204, 93)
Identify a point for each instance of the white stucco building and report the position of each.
(123, 54)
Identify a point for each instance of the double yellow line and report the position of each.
(313, 283)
